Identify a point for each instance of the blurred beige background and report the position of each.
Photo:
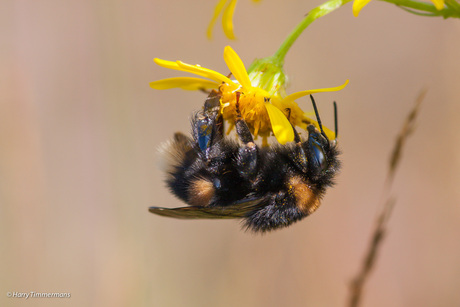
(80, 128)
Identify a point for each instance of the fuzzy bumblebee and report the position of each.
(267, 187)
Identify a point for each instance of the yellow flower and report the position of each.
(262, 100)
(228, 8)
(359, 4)
(439, 4)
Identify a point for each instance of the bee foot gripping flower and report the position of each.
(262, 100)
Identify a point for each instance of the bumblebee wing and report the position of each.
(236, 210)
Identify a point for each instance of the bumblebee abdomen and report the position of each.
(279, 211)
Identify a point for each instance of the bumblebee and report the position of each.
(267, 187)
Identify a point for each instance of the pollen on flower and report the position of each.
(251, 106)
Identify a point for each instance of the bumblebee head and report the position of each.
(320, 152)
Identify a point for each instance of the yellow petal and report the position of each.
(167, 64)
(237, 68)
(281, 127)
(330, 134)
(207, 73)
(197, 70)
(217, 10)
(297, 95)
(185, 83)
(439, 4)
(227, 19)
(358, 5)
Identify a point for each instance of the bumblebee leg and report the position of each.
(208, 125)
(212, 102)
(212, 110)
(242, 128)
(299, 157)
(207, 131)
(248, 155)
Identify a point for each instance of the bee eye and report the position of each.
(317, 155)
(316, 146)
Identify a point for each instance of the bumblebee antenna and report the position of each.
(335, 120)
(317, 117)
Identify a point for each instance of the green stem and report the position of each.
(453, 5)
(314, 14)
(428, 7)
(452, 9)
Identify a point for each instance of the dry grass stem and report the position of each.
(379, 232)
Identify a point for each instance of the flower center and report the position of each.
(252, 107)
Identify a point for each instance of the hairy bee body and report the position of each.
(267, 187)
(213, 181)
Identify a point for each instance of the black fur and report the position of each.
(248, 182)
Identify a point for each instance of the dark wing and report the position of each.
(236, 210)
